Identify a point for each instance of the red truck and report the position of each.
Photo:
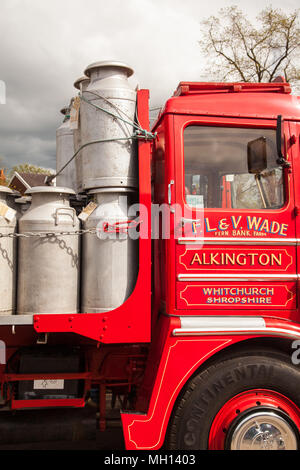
(203, 353)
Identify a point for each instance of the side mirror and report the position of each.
(281, 160)
(257, 155)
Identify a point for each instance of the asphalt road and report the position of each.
(112, 439)
(64, 429)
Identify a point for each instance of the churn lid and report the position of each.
(49, 189)
(5, 189)
(109, 63)
(80, 80)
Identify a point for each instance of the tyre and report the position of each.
(249, 402)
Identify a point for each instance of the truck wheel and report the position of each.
(248, 402)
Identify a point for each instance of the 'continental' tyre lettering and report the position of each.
(200, 407)
(251, 371)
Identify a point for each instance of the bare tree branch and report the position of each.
(236, 49)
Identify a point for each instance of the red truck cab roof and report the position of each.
(253, 100)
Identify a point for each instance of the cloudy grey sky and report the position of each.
(45, 45)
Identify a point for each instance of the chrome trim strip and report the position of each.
(221, 321)
(225, 326)
(236, 277)
(237, 241)
(234, 332)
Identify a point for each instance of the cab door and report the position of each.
(293, 146)
(235, 240)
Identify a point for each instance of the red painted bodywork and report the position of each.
(180, 358)
(135, 345)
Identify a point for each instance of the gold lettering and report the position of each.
(196, 259)
(213, 258)
(228, 258)
(204, 259)
(269, 291)
(264, 226)
(252, 256)
(275, 259)
(238, 259)
(253, 222)
(283, 228)
(267, 259)
(275, 226)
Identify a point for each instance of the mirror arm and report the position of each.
(262, 193)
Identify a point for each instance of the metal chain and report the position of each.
(5, 256)
(117, 227)
(47, 234)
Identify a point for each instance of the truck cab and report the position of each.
(233, 247)
(225, 162)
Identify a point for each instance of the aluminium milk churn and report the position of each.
(64, 152)
(114, 163)
(110, 258)
(22, 205)
(8, 246)
(81, 84)
(48, 269)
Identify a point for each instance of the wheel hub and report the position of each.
(263, 430)
(256, 420)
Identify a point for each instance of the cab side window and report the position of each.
(216, 169)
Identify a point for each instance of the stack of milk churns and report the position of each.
(66, 261)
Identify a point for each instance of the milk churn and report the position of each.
(110, 259)
(64, 152)
(11, 198)
(7, 254)
(22, 204)
(80, 84)
(114, 163)
(48, 268)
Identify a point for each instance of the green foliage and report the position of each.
(28, 168)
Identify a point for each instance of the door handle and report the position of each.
(184, 220)
(170, 192)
